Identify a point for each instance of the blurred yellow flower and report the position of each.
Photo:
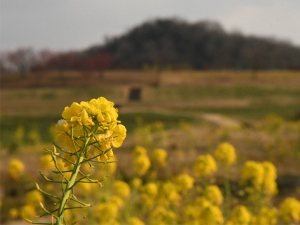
(147, 201)
(289, 210)
(205, 165)
(211, 215)
(34, 137)
(184, 182)
(270, 176)
(106, 212)
(225, 154)
(161, 215)
(46, 162)
(13, 213)
(34, 198)
(240, 215)
(213, 194)
(201, 203)
(27, 212)
(135, 221)
(252, 172)
(136, 183)
(265, 216)
(141, 164)
(190, 215)
(121, 189)
(150, 189)
(168, 194)
(84, 188)
(15, 168)
(139, 150)
(159, 156)
(260, 177)
(118, 201)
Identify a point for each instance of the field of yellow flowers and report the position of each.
(174, 166)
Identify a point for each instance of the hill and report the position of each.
(175, 43)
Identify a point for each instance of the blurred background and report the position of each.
(185, 76)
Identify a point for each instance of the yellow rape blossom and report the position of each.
(34, 198)
(141, 164)
(265, 216)
(184, 182)
(252, 172)
(240, 215)
(78, 119)
(15, 168)
(135, 221)
(190, 215)
(106, 213)
(46, 162)
(139, 150)
(260, 177)
(168, 194)
(270, 176)
(136, 183)
(201, 203)
(213, 194)
(121, 189)
(211, 215)
(161, 215)
(13, 213)
(27, 212)
(205, 165)
(118, 201)
(159, 156)
(149, 189)
(225, 154)
(289, 210)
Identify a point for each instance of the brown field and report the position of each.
(199, 78)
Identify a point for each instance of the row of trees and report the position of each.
(24, 60)
(165, 44)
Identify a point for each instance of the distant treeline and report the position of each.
(174, 43)
(165, 44)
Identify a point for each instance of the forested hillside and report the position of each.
(174, 43)
(164, 44)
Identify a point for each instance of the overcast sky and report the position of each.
(61, 25)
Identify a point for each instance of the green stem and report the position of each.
(227, 193)
(72, 180)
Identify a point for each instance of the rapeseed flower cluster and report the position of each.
(266, 216)
(259, 177)
(15, 168)
(121, 189)
(289, 210)
(225, 154)
(106, 213)
(141, 161)
(214, 194)
(205, 165)
(184, 183)
(98, 116)
(240, 215)
(159, 156)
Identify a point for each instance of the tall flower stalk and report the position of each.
(84, 137)
(225, 155)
